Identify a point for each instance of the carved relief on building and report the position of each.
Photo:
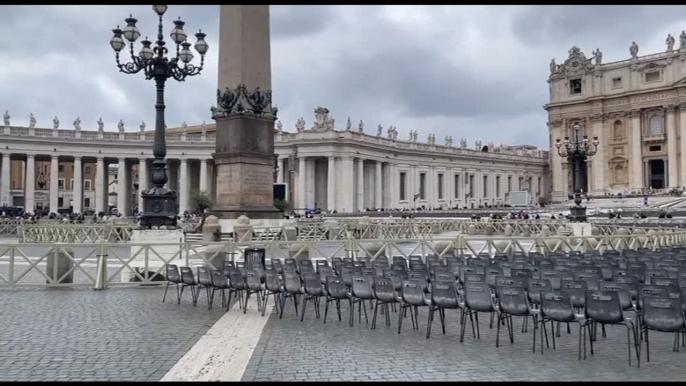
(619, 176)
(576, 64)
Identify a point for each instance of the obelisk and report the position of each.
(244, 150)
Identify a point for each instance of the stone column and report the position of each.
(122, 188)
(682, 143)
(330, 184)
(391, 186)
(5, 195)
(347, 191)
(173, 171)
(673, 166)
(636, 180)
(311, 198)
(378, 202)
(203, 176)
(280, 172)
(143, 181)
(54, 184)
(30, 184)
(360, 184)
(184, 187)
(559, 178)
(301, 189)
(77, 190)
(101, 188)
(598, 160)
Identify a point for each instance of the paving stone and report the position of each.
(335, 352)
(123, 333)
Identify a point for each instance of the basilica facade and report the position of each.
(323, 165)
(637, 109)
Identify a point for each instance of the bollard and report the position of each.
(101, 273)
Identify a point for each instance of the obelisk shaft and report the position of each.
(245, 50)
(244, 150)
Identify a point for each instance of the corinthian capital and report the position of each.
(597, 117)
(635, 113)
(682, 106)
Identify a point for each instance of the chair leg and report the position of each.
(165, 291)
(326, 308)
(181, 294)
(352, 312)
(364, 307)
(441, 315)
(338, 309)
(376, 309)
(228, 303)
(304, 307)
(415, 324)
(463, 320)
(265, 301)
(552, 327)
(403, 308)
(580, 337)
(535, 322)
(628, 342)
(478, 334)
(283, 305)
(541, 332)
(497, 334)
(647, 346)
(178, 294)
(430, 321)
(388, 313)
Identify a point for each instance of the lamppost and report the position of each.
(160, 206)
(576, 152)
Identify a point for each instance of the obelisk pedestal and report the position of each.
(244, 150)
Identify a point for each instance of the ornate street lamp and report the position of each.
(160, 206)
(576, 152)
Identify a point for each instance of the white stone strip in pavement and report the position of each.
(224, 352)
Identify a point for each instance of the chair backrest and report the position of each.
(236, 280)
(535, 287)
(555, 277)
(591, 279)
(444, 293)
(562, 267)
(492, 273)
(514, 281)
(173, 274)
(623, 292)
(204, 276)
(662, 281)
(359, 264)
(474, 278)
(369, 272)
(325, 271)
(650, 291)
(663, 314)
(289, 268)
(471, 269)
(439, 269)
(290, 261)
(272, 282)
(313, 285)
(603, 306)
(219, 279)
(384, 290)
(381, 260)
(292, 283)
(395, 277)
(347, 276)
(512, 300)
(651, 273)
(444, 277)
(412, 292)
(576, 289)
(253, 280)
(399, 260)
(478, 297)
(557, 305)
(187, 276)
(362, 287)
(336, 288)
(526, 273)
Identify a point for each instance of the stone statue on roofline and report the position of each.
(101, 124)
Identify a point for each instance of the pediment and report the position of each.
(651, 66)
(680, 82)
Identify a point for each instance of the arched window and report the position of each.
(656, 124)
(618, 130)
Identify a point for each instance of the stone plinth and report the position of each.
(58, 264)
(580, 228)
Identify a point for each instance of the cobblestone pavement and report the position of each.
(121, 334)
(312, 351)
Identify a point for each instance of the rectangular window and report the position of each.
(457, 186)
(617, 82)
(403, 178)
(509, 183)
(422, 185)
(60, 183)
(485, 187)
(655, 148)
(440, 186)
(575, 86)
(60, 202)
(71, 184)
(471, 186)
(60, 168)
(497, 186)
(87, 202)
(87, 185)
(87, 170)
(653, 76)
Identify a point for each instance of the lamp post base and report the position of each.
(160, 208)
(578, 212)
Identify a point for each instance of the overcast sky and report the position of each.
(468, 71)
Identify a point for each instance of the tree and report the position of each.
(201, 200)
